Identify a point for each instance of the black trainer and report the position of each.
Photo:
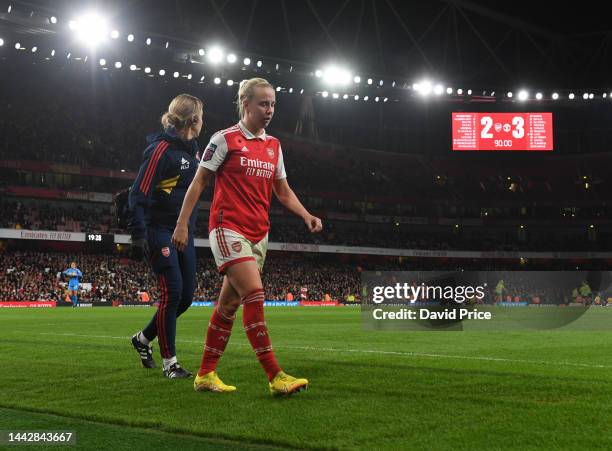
(176, 371)
(145, 352)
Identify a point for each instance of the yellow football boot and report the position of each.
(285, 385)
(211, 382)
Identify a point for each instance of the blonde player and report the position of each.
(249, 167)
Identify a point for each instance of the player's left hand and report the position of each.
(313, 223)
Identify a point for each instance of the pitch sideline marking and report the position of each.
(371, 351)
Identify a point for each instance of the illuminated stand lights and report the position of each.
(92, 30)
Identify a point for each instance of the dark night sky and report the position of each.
(477, 42)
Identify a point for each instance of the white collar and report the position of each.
(248, 135)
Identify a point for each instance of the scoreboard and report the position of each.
(502, 131)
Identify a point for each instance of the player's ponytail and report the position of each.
(247, 90)
(183, 112)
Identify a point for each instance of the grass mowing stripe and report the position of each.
(369, 351)
(98, 434)
(141, 425)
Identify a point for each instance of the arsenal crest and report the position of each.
(166, 251)
(237, 246)
(270, 152)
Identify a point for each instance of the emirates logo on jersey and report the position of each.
(270, 152)
(256, 167)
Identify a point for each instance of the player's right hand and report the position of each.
(139, 250)
(313, 223)
(180, 237)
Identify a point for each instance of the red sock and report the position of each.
(217, 336)
(257, 332)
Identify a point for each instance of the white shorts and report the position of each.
(229, 247)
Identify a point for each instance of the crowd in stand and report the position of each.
(89, 136)
(30, 275)
(99, 218)
(46, 216)
(111, 278)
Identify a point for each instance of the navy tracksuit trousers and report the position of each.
(176, 276)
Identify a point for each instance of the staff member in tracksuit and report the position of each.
(155, 201)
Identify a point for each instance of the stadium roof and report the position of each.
(459, 41)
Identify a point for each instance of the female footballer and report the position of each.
(248, 165)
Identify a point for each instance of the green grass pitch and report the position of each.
(74, 369)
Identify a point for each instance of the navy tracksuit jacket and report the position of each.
(155, 202)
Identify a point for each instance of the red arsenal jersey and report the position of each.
(246, 166)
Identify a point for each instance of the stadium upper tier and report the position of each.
(337, 177)
(82, 114)
(581, 232)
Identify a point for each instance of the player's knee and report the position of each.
(254, 299)
(187, 297)
(174, 292)
(183, 306)
(230, 306)
(254, 291)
